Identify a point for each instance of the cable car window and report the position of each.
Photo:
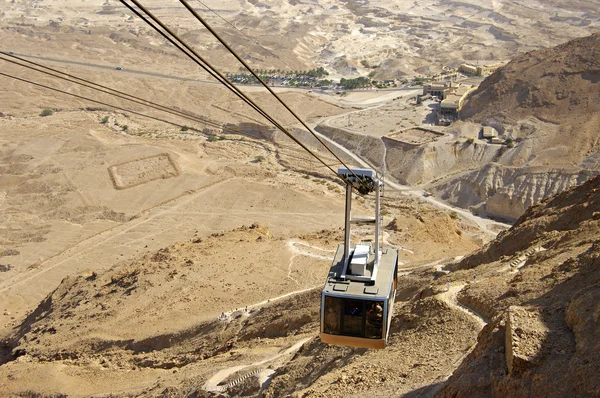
(374, 324)
(354, 312)
(333, 310)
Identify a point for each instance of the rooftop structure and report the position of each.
(479, 70)
(489, 132)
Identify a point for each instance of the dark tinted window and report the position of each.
(332, 316)
(352, 317)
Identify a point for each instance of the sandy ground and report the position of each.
(155, 232)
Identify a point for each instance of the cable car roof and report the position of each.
(381, 287)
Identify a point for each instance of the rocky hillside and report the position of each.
(552, 84)
(540, 287)
(547, 103)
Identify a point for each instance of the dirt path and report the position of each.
(294, 246)
(449, 297)
(212, 385)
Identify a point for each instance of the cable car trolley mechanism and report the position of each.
(357, 300)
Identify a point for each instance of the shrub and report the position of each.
(454, 215)
(212, 138)
(104, 120)
(509, 143)
(46, 112)
(470, 141)
(184, 128)
(259, 159)
(124, 127)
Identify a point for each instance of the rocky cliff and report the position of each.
(547, 103)
(552, 84)
(506, 192)
(539, 282)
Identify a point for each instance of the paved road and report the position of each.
(484, 224)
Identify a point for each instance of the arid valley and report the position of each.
(146, 252)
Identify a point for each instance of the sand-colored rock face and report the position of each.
(507, 192)
(553, 84)
(525, 332)
(543, 336)
(547, 102)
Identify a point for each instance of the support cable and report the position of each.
(107, 90)
(222, 79)
(89, 99)
(232, 51)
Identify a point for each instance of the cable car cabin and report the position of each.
(355, 310)
(357, 300)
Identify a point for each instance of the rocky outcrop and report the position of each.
(525, 332)
(543, 338)
(367, 147)
(418, 164)
(550, 84)
(506, 192)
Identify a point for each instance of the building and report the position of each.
(468, 69)
(454, 98)
(489, 133)
(435, 90)
(488, 69)
(479, 70)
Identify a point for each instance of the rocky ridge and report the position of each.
(546, 103)
(540, 284)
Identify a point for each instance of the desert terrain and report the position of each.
(144, 253)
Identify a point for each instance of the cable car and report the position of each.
(357, 300)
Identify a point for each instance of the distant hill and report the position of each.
(552, 84)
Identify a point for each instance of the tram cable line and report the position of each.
(120, 94)
(123, 95)
(232, 51)
(89, 99)
(107, 90)
(221, 78)
(195, 57)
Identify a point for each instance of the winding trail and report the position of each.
(212, 385)
(292, 244)
(450, 298)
